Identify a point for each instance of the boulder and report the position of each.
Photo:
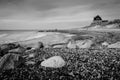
(34, 45)
(9, 46)
(17, 50)
(6, 47)
(71, 44)
(105, 44)
(8, 61)
(80, 44)
(30, 63)
(31, 55)
(84, 43)
(53, 62)
(115, 45)
(59, 46)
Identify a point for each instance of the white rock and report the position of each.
(71, 44)
(114, 45)
(84, 43)
(54, 62)
(59, 46)
(31, 55)
(80, 44)
(30, 62)
(105, 44)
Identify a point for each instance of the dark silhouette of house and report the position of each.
(97, 18)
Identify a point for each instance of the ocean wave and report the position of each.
(36, 36)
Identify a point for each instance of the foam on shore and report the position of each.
(38, 35)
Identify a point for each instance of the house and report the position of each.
(97, 20)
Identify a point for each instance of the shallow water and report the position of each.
(14, 35)
(31, 36)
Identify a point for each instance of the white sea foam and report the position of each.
(36, 36)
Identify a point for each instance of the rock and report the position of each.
(6, 47)
(18, 50)
(71, 44)
(41, 45)
(105, 44)
(30, 63)
(53, 62)
(115, 45)
(80, 44)
(31, 55)
(59, 45)
(8, 61)
(36, 45)
(84, 43)
(9, 46)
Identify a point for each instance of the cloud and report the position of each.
(54, 15)
(25, 14)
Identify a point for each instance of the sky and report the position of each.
(55, 14)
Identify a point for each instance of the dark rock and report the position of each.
(19, 50)
(4, 48)
(37, 45)
(41, 45)
(10, 61)
(28, 48)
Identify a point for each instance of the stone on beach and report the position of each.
(84, 43)
(8, 61)
(71, 44)
(30, 62)
(53, 62)
(33, 45)
(79, 44)
(114, 45)
(18, 50)
(9, 46)
(4, 48)
(32, 55)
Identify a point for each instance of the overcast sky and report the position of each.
(51, 14)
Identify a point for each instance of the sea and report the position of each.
(11, 35)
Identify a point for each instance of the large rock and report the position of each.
(30, 63)
(80, 44)
(105, 44)
(17, 50)
(6, 47)
(33, 45)
(84, 43)
(71, 44)
(115, 45)
(8, 61)
(59, 45)
(53, 62)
